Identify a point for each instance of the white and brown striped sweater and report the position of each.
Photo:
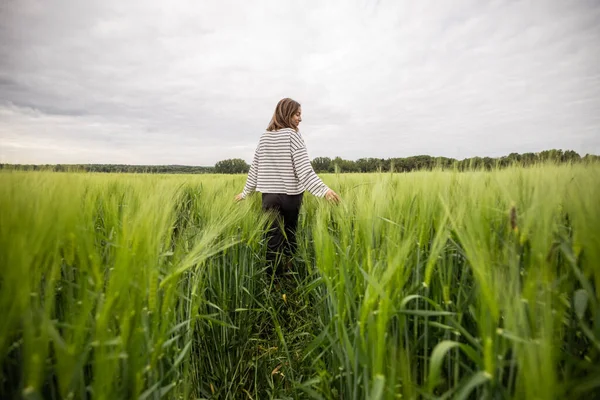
(281, 165)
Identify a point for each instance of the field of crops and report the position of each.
(425, 285)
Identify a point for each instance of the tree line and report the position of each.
(337, 164)
(119, 168)
(425, 162)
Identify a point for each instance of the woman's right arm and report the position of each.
(305, 172)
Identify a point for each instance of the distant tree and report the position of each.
(443, 162)
(322, 164)
(513, 158)
(400, 164)
(232, 166)
(488, 163)
(419, 162)
(476, 163)
(345, 165)
(368, 164)
(528, 159)
(384, 164)
(571, 156)
(591, 158)
(551, 155)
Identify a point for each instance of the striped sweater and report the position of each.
(281, 165)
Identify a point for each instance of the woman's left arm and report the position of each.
(250, 186)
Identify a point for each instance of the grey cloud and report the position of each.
(194, 82)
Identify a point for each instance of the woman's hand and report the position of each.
(332, 196)
(239, 197)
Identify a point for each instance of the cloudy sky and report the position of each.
(194, 82)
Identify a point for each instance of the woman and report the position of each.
(281, 171)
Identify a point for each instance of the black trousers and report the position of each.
(281, 235)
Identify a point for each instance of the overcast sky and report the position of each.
(194, 82)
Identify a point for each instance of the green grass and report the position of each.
(424, 285)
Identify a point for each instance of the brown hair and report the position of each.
(282, 117)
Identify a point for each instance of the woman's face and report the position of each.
(297, 117)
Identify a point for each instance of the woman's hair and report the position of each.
(282, 117)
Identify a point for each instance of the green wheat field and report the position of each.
(423, 285)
